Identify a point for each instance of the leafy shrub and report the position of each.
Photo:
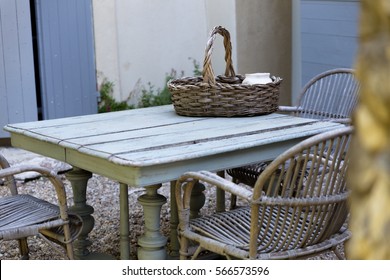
(107, 102)
(150, 95)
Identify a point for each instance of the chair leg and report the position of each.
(337, 253)
(69, 251)
(23, 249)
(233, 198)
(69, 245)
(233, 201)
(183, 248)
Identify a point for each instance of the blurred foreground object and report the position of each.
(369, 177)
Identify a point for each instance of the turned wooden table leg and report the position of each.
(124, 222)
(174, 243)
(152, 243)
(197, 200)
(78, 179)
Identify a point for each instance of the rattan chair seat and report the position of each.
(24, 215)
(233, 229)
(247, 174)
(24, 210)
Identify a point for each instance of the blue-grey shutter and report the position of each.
(66, 56)
(329, 34)
(17, 80)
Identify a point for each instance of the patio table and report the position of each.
(149, 146)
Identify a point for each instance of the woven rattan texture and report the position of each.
(24, 210)
(224, 95)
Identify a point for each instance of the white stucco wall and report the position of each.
(140, 41)
(106, 41)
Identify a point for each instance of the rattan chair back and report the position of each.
(332, 94)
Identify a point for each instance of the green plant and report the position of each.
(152, 97)
(197, 71)
(107, 102)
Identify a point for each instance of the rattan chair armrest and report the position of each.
(303, 201)
(210, 178)
(296, 109)
(9, 179)
(347, 121)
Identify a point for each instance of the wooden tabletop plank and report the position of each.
(178, 134)
(94, 118)
(114, 124)
(182, 126)
(165, 154)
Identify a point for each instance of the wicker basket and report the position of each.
(222, 96)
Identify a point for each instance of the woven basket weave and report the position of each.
(222, 96)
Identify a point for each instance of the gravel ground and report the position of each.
(103, 196)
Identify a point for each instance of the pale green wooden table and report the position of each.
(149, 146)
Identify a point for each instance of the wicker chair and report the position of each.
(23, 215)
(331, 95)
(288, 214)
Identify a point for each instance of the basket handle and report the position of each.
(208, 73)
